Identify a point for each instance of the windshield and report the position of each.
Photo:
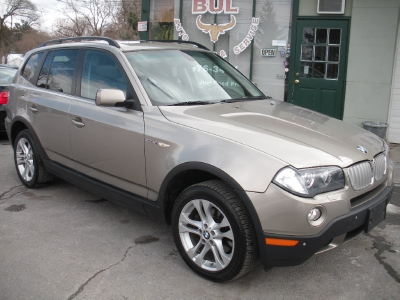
(7, 75)
(174, 77)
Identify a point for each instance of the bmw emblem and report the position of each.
(206, 235)
(362, 149)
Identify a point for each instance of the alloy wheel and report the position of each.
(206, 235)
(25, 161)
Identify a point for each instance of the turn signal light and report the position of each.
(281, 242)
(3, 97)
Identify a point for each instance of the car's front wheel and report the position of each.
(29, 166)
(213, 231)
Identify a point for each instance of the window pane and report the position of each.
(42, 79)
(306, 52)
(62, 71)
(186, 76)
(319, 70)
(308, 35)
(320, 52)
(306, 69)
(101, 71)
(333, 54)
(322, 35)
(333, 71)
(31, 66)
(7, 75)
(161, 20)
(334, 36)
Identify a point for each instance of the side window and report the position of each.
(101, 71)
(42, 79)
(31, 66)
(62, 70)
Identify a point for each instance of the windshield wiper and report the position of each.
(245, 98)
(192, 103)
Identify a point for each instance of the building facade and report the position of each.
(337, 57)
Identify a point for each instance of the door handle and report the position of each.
(78, 122)
(297, 81)
(33, 108)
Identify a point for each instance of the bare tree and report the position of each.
(88, 16)
(30, 40)
(114, 18)
(12, 11)
(68, 28)
(125, 21)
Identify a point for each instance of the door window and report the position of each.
(44, 72)
(320, 53)
(101, 71)
(58, 69)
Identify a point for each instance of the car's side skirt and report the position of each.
(106, 191)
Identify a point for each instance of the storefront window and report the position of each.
(228, 27)
(271, 72)
(161, 19)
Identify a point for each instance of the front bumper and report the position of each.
(339, 230)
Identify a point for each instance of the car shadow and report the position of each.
(3, 137)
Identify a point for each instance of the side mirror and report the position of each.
(116, 98)
(109, 97)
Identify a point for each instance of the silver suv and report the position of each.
(173, 131)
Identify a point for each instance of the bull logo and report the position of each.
(215, 29)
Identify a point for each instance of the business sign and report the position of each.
(181, 31)
(249, 37)
(142, 26)
(213, 7)
(201, 7)
(214, 30)
(268, 52)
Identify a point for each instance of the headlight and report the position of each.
(310, 182)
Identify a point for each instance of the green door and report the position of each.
(320, 65)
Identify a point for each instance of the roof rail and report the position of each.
(179, 42)
(111, 42)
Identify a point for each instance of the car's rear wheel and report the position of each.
(28, 163)
(213, 231)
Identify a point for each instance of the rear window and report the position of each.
(7, 75)
(31, 67)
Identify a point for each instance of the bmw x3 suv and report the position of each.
(173, 131)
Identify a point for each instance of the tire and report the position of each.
(28, 163)
(213, 231)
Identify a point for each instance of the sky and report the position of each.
(49, 12)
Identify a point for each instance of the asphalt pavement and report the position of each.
(60, 242)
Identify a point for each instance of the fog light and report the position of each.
(314, 214)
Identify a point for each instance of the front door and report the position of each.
(320, 66)
(107, 142)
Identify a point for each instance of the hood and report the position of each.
(295, 135)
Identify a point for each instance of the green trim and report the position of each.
(180, 10)
(252, 44)
(293, 30)
(145, 16)
(180, 15)
(293, 54)
(215, 22)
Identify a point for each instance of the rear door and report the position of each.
(107, 143)
(48, 101)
